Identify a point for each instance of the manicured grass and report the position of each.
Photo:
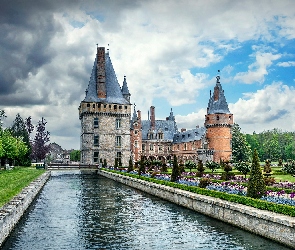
(13, 181)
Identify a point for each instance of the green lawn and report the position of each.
(13, 181)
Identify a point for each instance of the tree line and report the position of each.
(273, 145)
(16, 145)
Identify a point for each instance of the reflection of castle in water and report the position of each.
(108, 131)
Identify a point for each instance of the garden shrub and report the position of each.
(204, 182)
(175, 170)
(269, 181)
(256, 186)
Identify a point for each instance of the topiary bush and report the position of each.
(175, 170)
(256, 185)
(204, 182)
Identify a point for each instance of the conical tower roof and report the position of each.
(112, 88)
(217, 102)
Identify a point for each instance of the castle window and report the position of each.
(151, 147)
(95, 156)
(229, 117)
(119, 158)
(166, 129)
(88, 105)
(185, 146)
(105, 106)
(183, 136)
(168, 148)
(189, 135)
(160, 136)
(135, 132)
(95, 122)
(98, 105)
(125, 107)
(118, 141)
(120, 107)
(143, 147)
(110, 106)
(93, 105)
(118, 123)
(217, 118)
(207, 118)
(115, 106)
(136, 144)
(95, 140)
(160, 148)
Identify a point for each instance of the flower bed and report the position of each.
(276, 201)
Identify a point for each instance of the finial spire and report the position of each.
(218, 77)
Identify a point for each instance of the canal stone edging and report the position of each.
(12, 211)
(278, 227)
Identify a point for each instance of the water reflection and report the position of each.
(77, 211)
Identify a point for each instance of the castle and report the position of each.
(109, 132)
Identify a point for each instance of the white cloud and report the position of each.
(286, 64)
(268, 108)
(257, 70)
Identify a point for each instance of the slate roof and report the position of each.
(113, 90)
(189, 135)
(168, 127)
(219, 106)
(125, 90)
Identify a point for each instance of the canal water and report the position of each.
(87, 211)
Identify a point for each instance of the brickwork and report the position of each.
(219, 135)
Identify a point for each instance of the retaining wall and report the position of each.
(12, 211)
(280, 228)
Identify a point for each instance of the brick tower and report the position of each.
(218, 123)
(105, 115)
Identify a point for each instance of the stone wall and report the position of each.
(271, 225)
(12, 211)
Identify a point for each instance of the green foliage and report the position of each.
(289, 167)
(175, 170)
(256, 186)
(273, 144)
(227, 168)
(200, 167)
(18, 130)
(130, 165)
(204, 182)
(267, 167)
(141, 169)
(243, 166)
(212, 165)
(241, 150)
(75, 155)
(190, 165)
(13, 181)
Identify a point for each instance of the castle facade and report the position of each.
(109, 132)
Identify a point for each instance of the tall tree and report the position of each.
(241, 150)
(40, 149)
(2, 117)
(18, 130)
(256, 185)
(175, 170)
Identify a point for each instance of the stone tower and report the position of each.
(218, 123)
(136, 136)
(105, 115)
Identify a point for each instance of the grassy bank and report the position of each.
(13, 181)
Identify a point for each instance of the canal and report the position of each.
(87, 211)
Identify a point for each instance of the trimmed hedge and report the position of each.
(256, 203)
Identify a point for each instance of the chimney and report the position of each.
(183, 130)
(139, 115)
(153, 119)
(101, 73)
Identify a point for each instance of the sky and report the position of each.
(170, 52)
